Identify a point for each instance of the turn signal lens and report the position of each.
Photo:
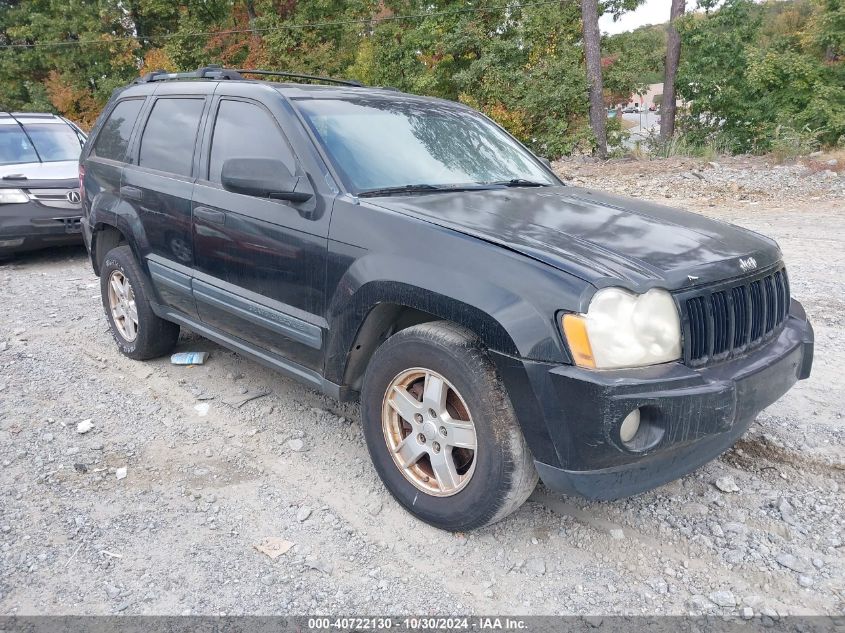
(575, 329)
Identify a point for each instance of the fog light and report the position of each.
(9, 243)
(630, 426)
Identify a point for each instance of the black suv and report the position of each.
(494, 322)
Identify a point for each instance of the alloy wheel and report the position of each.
(124, 312)
(429, 431)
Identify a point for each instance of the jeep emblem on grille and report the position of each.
(746, 264)
(73, 196)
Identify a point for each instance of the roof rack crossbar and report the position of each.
(278, 73)
(206, 72)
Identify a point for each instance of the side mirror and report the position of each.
(264, 178)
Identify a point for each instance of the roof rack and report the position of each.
(215, 72)
(278, 73)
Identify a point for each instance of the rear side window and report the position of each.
(168, 140)
(113, 140)
(245, 130)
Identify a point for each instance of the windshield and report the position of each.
(380, 144)
(42, 142)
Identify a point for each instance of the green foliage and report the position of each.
(633, 60)
(749, 72)
(758, 78)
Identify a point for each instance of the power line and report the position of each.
(285, 27)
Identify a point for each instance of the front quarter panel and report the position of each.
(377, 255)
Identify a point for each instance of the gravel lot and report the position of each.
(174, 532)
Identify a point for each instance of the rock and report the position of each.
(726, 484)
(47, 437)
(488, 593)
(320, 565)
(375, 508)
(303, 514)
(84, 426)
(268, 580)
(296, 445)
(80, 468)
(786, 511)
(805, 581)
(73, 450)
(790, 562)
(723, 598)
(617, 534)
(536, 566)
(112, 592)
(273, 546)
(202, 409)
(747, 613)
(120, 473)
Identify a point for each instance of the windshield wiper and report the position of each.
(518, 182)
(389, 191)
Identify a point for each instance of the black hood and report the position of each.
(603, 239)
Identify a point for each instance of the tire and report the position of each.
(154, 336)
(501, 474)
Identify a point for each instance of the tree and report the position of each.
(673, 57)
(592, 58)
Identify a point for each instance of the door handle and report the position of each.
(132, 193)
(210, 215)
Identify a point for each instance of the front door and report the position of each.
(260, 263)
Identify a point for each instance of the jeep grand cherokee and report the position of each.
(495, 323)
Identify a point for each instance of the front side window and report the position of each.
(38, 142)
(245, 130)
(170, 134)
(380, 143)
(113, 140)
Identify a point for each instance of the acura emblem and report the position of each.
(73, 196)
(746, 264)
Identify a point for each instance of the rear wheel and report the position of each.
(441, 430)
(136, 329)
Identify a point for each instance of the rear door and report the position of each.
(159, 182)
(260, 263)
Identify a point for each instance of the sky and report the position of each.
(650, 12)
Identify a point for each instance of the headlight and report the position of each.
(12, 196)
(622, 329)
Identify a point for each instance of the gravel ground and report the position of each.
(157, 508)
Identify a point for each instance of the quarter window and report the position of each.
(245, 130)
(170, 135)
(113, 140)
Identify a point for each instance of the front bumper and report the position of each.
(30, 225)
(689, 416)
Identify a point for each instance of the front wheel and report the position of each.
(441, 430)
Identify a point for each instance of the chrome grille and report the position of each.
(727, 320)
(54, 198)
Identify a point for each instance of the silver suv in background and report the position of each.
(39, 181)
